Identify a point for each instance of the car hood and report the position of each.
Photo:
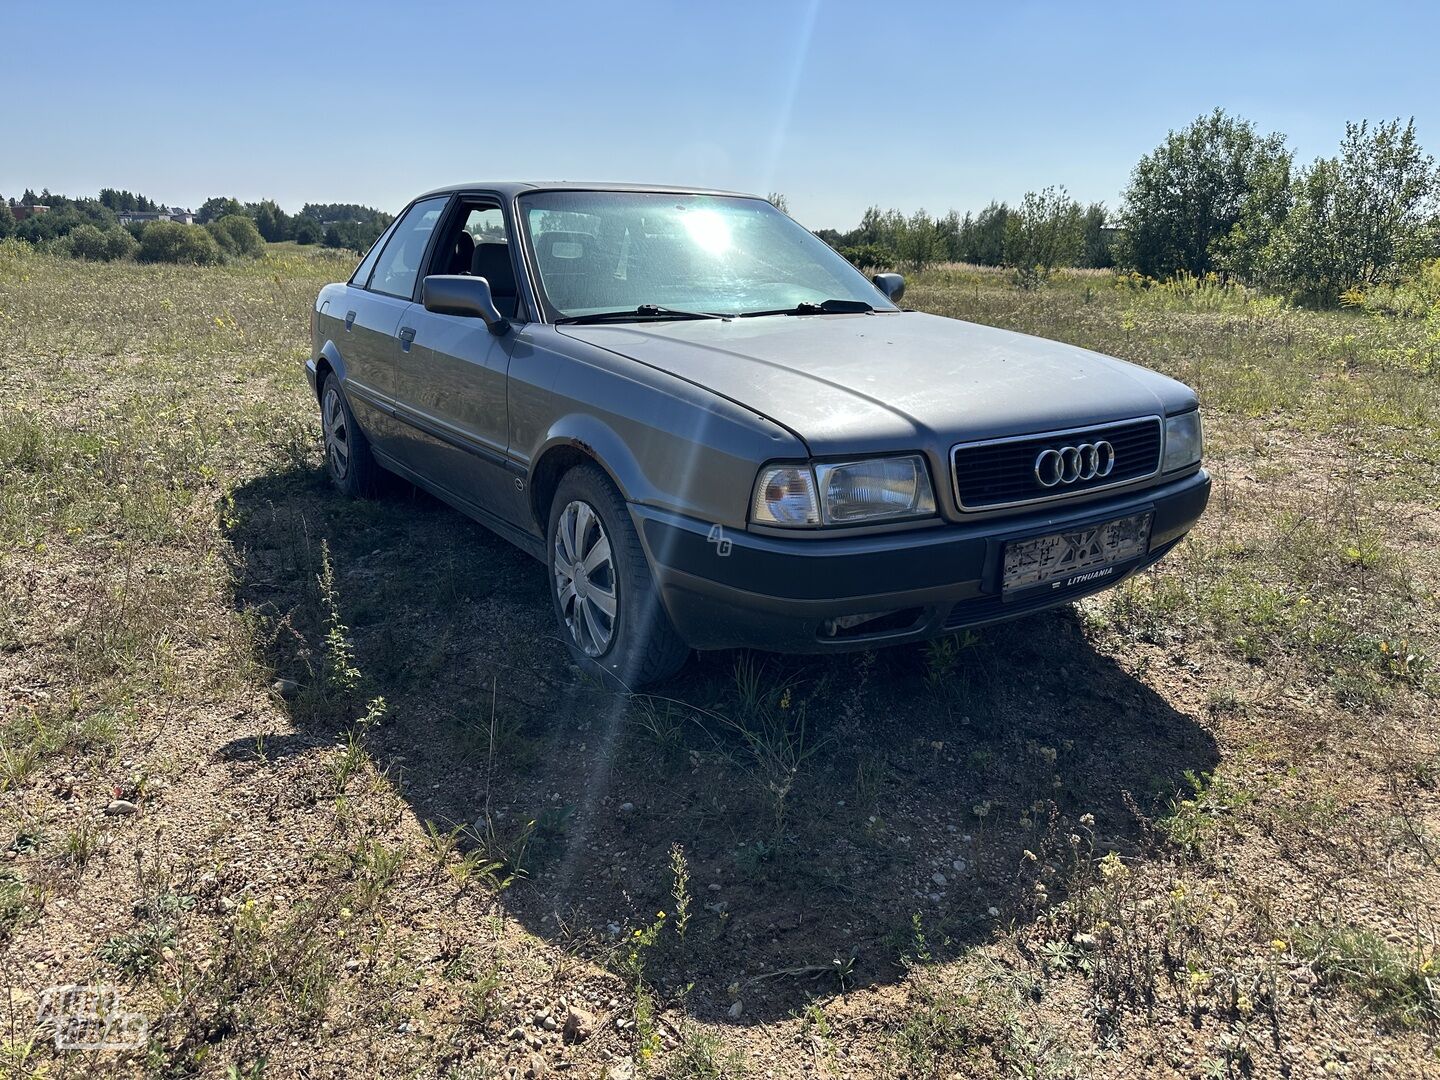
(851, 383)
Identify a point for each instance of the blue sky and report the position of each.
(838, 105)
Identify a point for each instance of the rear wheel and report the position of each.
(347, 451)
(604, 595)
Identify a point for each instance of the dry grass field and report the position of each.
(312, 786)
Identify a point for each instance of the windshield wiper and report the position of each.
(809, 307)
(644, 311)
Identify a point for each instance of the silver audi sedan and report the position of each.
(715, 432)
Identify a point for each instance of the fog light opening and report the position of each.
(870, 623)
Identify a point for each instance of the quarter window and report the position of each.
(361, 277)
(399, 264)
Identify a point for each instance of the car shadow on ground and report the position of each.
(828, 809)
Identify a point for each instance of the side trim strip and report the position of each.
(374, 397)
(453, 436)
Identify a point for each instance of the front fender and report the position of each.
(595, 439)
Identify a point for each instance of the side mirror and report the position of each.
(892, 285)
(460, 294)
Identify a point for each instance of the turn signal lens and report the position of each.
(785, 495)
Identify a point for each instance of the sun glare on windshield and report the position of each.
(708, 230)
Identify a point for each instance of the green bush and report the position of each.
(1415, 297)
(119, 244)
(172, 242)
(868, 256)
(236, 234)
(89, 242)
(1358, 220)
(308, 230)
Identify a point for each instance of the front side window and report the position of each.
(601, 251)
(399, 263)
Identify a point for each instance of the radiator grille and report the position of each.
(994, 474)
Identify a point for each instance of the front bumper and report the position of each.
(742, 590)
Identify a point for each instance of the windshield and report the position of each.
(603, 251)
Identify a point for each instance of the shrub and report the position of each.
(307, 230)
(119, 244)
(867, 256)
(88, 242)
(1416, 296)
(172, 242)
(1205, 199)
(236, 234)
(354, 235)
(1359, 220)
(1043, 233)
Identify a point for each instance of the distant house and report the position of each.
(129, 217)
(21, 211)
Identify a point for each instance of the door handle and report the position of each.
(407, 336)
(349, 319)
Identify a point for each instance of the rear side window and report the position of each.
(362, 272)
(399, 263)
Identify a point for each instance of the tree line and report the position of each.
(1217, 197)
(90, 227)
(338, 225)
(1048, 229)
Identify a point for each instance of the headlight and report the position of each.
(887, 487)
(1183, 441)
(843, 493)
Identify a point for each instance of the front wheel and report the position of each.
(604, 595)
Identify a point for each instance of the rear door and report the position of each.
(451, 373)
(376, 302)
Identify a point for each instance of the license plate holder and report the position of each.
(1073, 557)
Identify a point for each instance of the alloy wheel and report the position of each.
(585, 578)
(337, 433)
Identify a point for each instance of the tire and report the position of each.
(348, 459)
(636, 645)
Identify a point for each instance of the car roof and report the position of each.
(511, 188)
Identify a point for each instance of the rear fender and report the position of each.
(329, 360)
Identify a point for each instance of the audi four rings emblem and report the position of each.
(1069, 464)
